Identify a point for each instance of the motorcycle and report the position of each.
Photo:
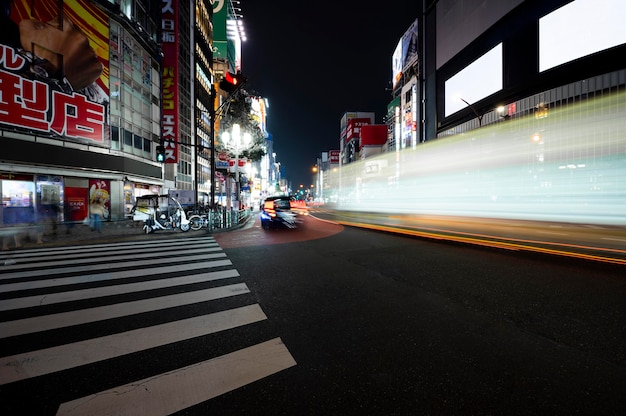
(160, 212)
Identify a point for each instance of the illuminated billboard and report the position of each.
(476, 81)
(561, 39)
(405, 54)
(54, 69)
(170, 76)
(226, 37)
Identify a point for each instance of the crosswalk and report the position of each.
(134, 328)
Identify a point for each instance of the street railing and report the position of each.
(220, 217)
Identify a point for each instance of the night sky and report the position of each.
(314, 61)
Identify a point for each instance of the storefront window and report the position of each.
(50, 191)
(17, 201)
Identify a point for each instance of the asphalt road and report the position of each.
(324, 319)
(387, 324)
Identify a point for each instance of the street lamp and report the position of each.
(480, 117)
(237, 142)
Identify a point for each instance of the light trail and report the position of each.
(569, 165)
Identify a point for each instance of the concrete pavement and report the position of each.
(77, 233)
(112, 231)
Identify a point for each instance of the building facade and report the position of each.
(81, 100)
(517, 113)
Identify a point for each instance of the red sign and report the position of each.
(64, 37)
(169, 41)
(34, 105)
(76, 203)
(354, 127)
(374, 135)
(242, 164)
(333, 156)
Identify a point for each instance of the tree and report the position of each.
(238, 111)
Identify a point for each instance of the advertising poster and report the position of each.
(76, 203)
(100, 189)
(54, 68)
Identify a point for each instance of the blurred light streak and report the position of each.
(485, 240)
(569, 166)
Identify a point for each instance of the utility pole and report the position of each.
(213, 117)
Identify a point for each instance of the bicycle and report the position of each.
(205, 218)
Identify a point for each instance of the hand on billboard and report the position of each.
(66, 50)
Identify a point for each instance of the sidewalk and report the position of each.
(77, 233)
(112, 231)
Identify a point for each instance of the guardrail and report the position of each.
(224, 218)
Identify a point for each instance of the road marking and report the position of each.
(110, 266)
(163, 256)
(104, 253)
(83, 316)
(153, 246)
(52, 298)
(50, 360)
(106, 276)
(171, 392)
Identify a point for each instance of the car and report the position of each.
(276, 213)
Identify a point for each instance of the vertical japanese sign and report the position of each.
(169, 123)
(53, 61)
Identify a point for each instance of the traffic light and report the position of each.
(230, 82)
(160, 153)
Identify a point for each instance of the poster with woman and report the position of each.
(99, 189)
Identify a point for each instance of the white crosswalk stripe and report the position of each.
(132, 298)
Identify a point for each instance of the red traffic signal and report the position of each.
(230, 82)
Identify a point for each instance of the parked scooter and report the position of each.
(160, 212)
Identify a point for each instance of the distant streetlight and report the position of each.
(237, 142)
(501, 112)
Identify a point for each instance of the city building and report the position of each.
(91, 104)
(80, 108)
(511, 110)
(482, 65)
(468, 64)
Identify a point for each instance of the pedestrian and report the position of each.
(72, 218)
(20, 222)
(52, 212)
(97, 213)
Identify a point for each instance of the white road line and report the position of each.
(109, 251)
(68, 260)
(107, 276)
(97, 267)
(50, 360)
(52, 298)
(614, 239)
(51, 251)
(83, 316)
(171, 392)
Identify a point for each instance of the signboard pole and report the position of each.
(212, 139)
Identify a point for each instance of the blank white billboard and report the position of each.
(580, 28)
(478, 80)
